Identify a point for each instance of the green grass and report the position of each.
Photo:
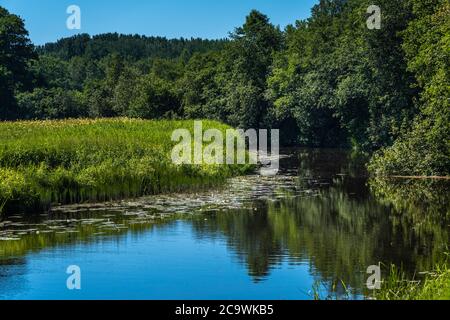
(76, 161)
(434, 285)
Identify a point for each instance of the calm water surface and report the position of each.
(319, 224)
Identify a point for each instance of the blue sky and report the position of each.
(46, 19)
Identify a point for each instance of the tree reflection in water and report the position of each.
(322, 212)
(339, 224)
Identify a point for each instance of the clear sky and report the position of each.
(46, 19)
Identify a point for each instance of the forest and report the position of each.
(327, 81)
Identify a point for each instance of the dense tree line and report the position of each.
(325, 81)
(424, 148)
(134, 47)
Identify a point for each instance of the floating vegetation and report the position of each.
(81, 222)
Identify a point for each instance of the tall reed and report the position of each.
(432, 285)
(74, 161)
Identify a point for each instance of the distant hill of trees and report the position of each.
(325, 81)
(133, 47)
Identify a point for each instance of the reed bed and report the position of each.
(75, 161)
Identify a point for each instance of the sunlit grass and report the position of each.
(433, 285)
(75, 161)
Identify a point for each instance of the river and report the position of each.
(310, 232)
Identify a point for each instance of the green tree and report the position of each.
(16, 51)
(248, 61)
(425, 148)
(378, 78)
(155, 98)
(300, 86)
(52, 103)
(202, 94)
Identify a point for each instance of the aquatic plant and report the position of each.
(74, 161)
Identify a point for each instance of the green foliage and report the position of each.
(16, 51)
(425, 148)
(201, 90)
(155, 98)
(325, 81)
(231, 85)
(249, 58)
(74, 161)
(132, 47)
(337, 74)
(52, 103)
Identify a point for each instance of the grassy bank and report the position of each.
(75, 161)
(434, 285)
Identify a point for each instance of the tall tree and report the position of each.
(424, 149)
(16, 51)
(249, 58)
(301, 84)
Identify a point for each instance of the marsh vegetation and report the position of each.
(75, 161)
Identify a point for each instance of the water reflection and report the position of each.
(321, 212)
(339, 231)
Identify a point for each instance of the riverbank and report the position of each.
(424, 204)
(76, 161)
(434, 285)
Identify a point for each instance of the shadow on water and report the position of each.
(321, 212)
